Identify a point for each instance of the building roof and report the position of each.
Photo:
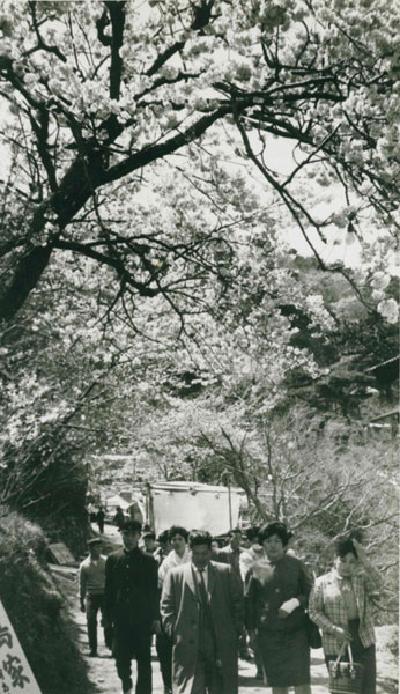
(193, 487)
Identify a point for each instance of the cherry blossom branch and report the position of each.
(41, 44)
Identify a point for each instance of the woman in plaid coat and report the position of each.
(341, 604)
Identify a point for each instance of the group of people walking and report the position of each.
(200, 601)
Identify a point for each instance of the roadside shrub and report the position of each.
(37, 609)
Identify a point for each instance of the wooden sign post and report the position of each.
(16, 676)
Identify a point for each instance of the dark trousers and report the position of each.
(206, 680)
(257, 655)
(94, 604)
(207, 676)
(365, 656)
(164, 653)
(127, 645)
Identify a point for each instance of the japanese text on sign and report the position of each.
(16, 676)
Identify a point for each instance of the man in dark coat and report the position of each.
(131, 604)
(119, 518)
(202, 611)
(100, 516)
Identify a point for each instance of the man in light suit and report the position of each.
(202, 611)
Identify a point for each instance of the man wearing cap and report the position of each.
(91, 589)
(150, 545)
(131, 604)
(164, 547)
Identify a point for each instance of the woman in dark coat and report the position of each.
(276, 598)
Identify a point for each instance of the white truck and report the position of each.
(194, 505)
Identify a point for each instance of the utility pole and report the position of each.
(226, 473)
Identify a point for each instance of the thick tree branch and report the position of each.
(151, 153)
(114, 262)
(163, 57)
(117, 16)
(30, 267)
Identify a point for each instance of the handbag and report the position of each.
(314, 637)
(345, 677)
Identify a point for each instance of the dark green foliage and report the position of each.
(347, 355)
(47, 482)
(36, 609)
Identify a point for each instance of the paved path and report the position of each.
(102, 670)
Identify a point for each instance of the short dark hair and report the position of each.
(253, 532)
(178, 530)
(163, 537)
(344, 545)
(200, 537)
(150, 535)
(275, 528)
(133, 525)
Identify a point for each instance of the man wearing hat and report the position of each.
(131, 605)
(91, 589)
(149, 539)
(164, 547)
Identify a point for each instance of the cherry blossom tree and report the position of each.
(141, 212)
(101, 93)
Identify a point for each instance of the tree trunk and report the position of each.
(75, 190)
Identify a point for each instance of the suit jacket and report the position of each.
(130, 592)
(180, 610)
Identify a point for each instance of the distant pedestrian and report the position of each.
(131, 604)
(252, 553)
(179, 555)
(230, 554)
(214, 545)
(342, 605)
(91, 589)
(100, 516)
(202, 611)
(149, 539)
(164, 547)
(119, 518)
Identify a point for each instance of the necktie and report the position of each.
(202, 590)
